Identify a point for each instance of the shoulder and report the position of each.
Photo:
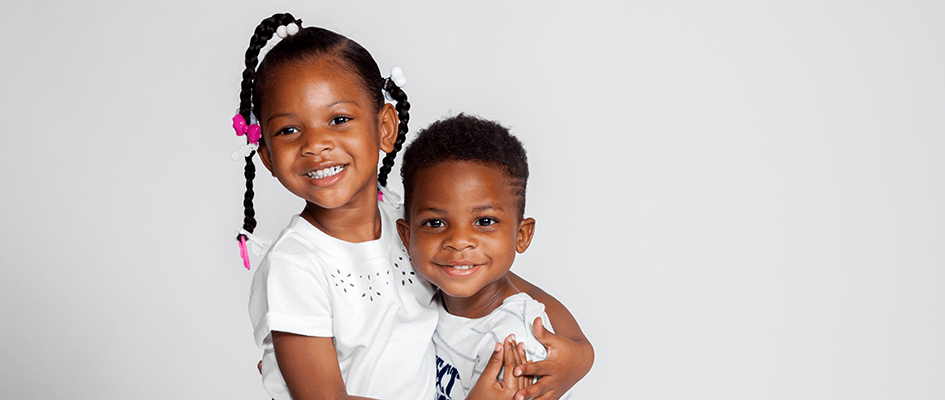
(515, 316)
(520, 307)
(300, 243)
(294, 259)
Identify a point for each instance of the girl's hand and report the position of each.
(509, 355)
(557, 372)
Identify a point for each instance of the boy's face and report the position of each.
(464, 227)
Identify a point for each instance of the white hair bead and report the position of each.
(397, 76)
(281, 32)
(292, 28)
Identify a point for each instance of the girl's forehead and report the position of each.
(324, 67)
(321, 77)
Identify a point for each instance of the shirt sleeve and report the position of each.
(534, 350)
(289, 294)
(513, 318)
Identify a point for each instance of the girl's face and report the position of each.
(322, 136)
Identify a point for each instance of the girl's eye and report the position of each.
(486, 221)
(433, 223)
(339, 120)
(287, 131)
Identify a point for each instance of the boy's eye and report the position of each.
(287, 131)
(433, 223)
(486, 221)
(339, 120)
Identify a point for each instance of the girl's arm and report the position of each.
(570, 354)
(309, 366)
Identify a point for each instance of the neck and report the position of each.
(485, 301)
(355, 222)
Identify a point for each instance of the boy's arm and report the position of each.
(309, 366)
(570, 354)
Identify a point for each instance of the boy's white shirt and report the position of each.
(464, 345)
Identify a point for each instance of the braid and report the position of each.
(261, 36)
(403, 108)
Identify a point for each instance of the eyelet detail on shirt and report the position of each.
(364, 283)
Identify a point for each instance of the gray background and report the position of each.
(738, 200)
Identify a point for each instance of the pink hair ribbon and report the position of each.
(243, 253)
(249, 241)
(252, 132)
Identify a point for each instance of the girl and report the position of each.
(335, 304)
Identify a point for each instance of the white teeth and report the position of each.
(324, 173)
(463, 266)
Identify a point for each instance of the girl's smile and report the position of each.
(326, 176)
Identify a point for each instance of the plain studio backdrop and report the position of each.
(737, 200)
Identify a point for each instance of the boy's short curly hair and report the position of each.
(466, 138)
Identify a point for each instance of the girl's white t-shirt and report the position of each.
(364, 295)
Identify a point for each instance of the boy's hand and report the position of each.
(563, 356)
(509, 355)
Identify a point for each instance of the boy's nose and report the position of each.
(459, 240)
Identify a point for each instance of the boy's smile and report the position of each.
(464, 231)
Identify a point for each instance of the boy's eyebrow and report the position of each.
(487, 207)
(431, 209)
(475, 209)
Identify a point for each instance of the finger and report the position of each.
(538, 329)
(523, 381)
(518, 361)
(494, 366)
(522, 359)
(537, 392)
(537, 368)
(259, 366)
(546, 337)
(549, 395)
(510, 362)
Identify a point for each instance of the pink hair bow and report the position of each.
(252, 132)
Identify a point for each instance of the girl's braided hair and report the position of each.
(301, 49)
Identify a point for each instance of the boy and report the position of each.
(464, 196)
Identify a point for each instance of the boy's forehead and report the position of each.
(454, 175)
(451, 183)
(489, 168)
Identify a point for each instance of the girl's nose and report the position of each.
(315, 142)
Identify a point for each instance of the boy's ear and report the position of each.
(265, 156)
(388, 125)
(403, 229)
(526, 230)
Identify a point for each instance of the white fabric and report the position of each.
(364, 295)
(464, 346)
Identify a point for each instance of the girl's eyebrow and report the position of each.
(289, 114)
(271, 117)
(344, 101)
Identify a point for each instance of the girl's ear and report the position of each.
(265, 156)
(387, 127)
(526, 230)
